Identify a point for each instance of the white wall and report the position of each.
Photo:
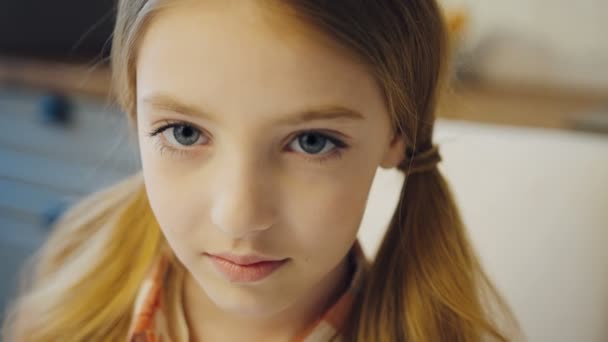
(536, 205)
(554, 42)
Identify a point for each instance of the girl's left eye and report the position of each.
(315, 143)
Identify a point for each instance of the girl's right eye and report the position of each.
(180, 134)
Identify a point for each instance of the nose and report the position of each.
(244, 203)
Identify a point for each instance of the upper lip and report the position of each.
(244, 260)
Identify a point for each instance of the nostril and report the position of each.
(241, 222)
(243, 204)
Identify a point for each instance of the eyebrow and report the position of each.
(330, 112)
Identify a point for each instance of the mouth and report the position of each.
(245, 269)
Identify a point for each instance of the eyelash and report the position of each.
(336, 153)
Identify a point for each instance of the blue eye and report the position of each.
(317, 146)
(314, 143)
(185, 135)
(180, 134)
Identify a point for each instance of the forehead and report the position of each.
(236, 57)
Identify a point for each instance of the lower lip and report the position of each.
(245, 273)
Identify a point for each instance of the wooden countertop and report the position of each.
(490, 103)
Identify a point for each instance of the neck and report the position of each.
(207, 322)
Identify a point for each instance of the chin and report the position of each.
(247, 304)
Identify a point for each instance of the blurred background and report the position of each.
(523, 131)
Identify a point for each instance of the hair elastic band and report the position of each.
(420, 161)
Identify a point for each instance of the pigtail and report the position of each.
(426, 283)
(87, 274)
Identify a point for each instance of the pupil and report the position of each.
(187, 131)
(312, 143)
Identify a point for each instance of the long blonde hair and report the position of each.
(426, 284)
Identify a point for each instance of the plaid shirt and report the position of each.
(149, 322)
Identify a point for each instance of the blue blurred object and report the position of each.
(56, 109)
(50, 216)
(46, 167)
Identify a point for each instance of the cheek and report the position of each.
(329, 212)
(169, 194)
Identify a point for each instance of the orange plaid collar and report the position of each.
(149, 323)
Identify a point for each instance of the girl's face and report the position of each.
(258, 135)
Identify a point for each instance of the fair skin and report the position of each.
(244, 176)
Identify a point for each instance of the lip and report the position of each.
(245, 268)
(244, 260)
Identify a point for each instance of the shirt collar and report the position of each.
(149, 322)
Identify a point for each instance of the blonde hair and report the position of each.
(426, 284)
